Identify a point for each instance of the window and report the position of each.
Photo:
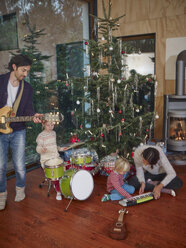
(53, 32)
(8, 32)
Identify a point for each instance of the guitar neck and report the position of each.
(20, 118)
(121, 214)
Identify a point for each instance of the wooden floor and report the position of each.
(41, 222)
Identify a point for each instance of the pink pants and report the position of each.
(56, 184)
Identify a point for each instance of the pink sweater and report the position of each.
(115, 181)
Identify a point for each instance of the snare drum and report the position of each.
(54, 169)
(77, 184)
(79, 159)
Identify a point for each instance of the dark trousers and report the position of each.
(175, 184)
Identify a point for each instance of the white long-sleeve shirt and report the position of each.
(47, 140)
(162, 166)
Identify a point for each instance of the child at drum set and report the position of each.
(48, 150)
(116, 182)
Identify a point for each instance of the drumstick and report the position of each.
(71, 146)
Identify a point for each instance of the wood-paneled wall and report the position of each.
(166, 18)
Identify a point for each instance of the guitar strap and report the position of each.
(17, 101)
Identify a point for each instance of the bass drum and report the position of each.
(77, 184)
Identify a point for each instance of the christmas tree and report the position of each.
(108, 110)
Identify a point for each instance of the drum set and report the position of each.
(75, 182)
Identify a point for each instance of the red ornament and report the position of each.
(86, 43)
(132, 154)
(67, 84)
(147, 130)
(123, 52)
(120, 134)
(102, 135)
(122, 120)
(74, 139)
(120, 111)
(150, 80)
(91, 138)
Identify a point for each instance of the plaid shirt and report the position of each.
(115, 181)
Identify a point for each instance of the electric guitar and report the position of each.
(118, 230)
(6, 119)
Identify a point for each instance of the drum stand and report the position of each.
(68, 204)
(49, 183)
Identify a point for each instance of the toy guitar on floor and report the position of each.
(118, 230)
(135, 200)
(6, 118)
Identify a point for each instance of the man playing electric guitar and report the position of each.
(16, 93)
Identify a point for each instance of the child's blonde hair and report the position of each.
(122, 164)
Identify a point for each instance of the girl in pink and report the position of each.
(116, 185)
(47, 148)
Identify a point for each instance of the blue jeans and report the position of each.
(116, 196)
(16, 141)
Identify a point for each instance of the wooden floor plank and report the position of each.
(40, 221)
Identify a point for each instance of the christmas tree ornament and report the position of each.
(109, 84)
(98, 110)
(116, 95)
(78, 102)
(136, 82)
(111, 48)
(119, 81)
(72, 88)
(102, 38)
(140, 125)
(100, 57)
(157, 116)
(95, 25)
(113, 100)
(87, 83)
(92, 107)
(83, 108)
(86, 49)
(150, 80)
(110, 34)
(98, 94)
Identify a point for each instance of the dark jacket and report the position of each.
(26, 103)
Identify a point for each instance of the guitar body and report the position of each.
(5, 126)
(118, 230)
